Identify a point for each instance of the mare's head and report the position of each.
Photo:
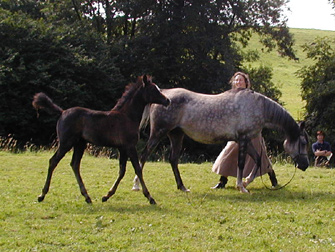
(298, 148)
(151, 93)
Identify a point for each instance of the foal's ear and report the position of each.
(146, 80)
(302, 125)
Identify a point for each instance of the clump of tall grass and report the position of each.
(8, 143)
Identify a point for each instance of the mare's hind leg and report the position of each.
(243, 145)
(54, 160)
(176, 140)
(122, 171)
(257, 159)
(78, 152)
(138, 170)
(151, 144)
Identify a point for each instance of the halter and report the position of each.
(295, 158)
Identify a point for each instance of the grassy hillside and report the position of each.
(284, 70)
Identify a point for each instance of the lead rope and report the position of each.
(192, 204)
(281, 187)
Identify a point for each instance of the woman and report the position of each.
(226, 163)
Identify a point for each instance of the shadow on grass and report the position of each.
(263, 195)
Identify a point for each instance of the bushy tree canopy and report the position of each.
(56, 60)
(318, 87)
(83, 52)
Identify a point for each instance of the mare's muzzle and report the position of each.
(302, 162)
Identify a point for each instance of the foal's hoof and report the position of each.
(88, 200)
(152, 201)
(184, 189)
(104, 198)
(40, 198)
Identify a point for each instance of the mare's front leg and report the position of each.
(243, 145)
(176, 140)
(122, 171)
(138, 170)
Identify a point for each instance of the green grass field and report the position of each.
(299, 217)
(284, 70)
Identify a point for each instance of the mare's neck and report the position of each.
(276, 116)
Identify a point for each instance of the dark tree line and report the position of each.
(83, 53)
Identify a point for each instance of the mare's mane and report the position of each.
(128, 94)
(280, 118)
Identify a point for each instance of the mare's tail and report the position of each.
(145, 116)
(42, 101)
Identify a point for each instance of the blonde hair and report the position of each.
(244, 75)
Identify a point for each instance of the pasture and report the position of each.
(284, 70)
(299, 217)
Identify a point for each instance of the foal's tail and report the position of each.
(42, 101)
(145, 117)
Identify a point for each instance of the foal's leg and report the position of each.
(138, 170)
(243, 144)
(151, 144)
(54, 160)
(78, 152)
(122, 171)
(176, 140)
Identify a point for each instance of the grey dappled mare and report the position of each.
(118, 128)
(237, 114)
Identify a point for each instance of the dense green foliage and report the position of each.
(318, 87)
(70, 64)
(299, 217)
(83, 53)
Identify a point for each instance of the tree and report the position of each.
(82, 52)
(195, 44)
(318, 87)
(62, 61)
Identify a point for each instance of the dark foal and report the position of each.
(118, 128)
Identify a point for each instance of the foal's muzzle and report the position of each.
(166, 102)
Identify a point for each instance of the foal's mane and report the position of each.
(128, 94)
(279, 117)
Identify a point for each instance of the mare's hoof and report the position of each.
(135, 188)
(40, 198)
(243, 190)
(152, 201)
(88, 200)
(104, 198)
